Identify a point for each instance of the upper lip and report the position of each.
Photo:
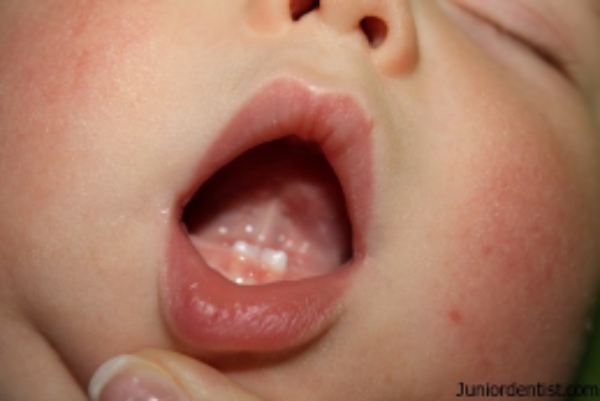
(209, 314)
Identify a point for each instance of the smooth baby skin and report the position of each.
(482, 249)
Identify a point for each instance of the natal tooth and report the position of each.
(272, 259)
(276, 260)
(246, 251)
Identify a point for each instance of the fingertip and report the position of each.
(129, 377)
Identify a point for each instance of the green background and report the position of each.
(590, 373)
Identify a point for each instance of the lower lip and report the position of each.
(211, 314)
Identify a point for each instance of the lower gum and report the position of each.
(238, 270)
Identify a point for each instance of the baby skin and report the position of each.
(296, 200)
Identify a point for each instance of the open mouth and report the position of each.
(273, 226)
(275, 213)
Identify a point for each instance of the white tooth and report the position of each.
(275, 260)
(244, 249)
(240, 247)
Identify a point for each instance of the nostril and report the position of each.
(375, 30)
(300, 8)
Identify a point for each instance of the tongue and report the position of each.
(275, 213)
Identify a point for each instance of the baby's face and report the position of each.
(458, 232)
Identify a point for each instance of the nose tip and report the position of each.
(387, 26)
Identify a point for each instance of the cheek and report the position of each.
(519, 255)
(65, 53)
(68, 70)
(66, 73)
(59, 63)
(521, 216)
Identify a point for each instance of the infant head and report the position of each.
(324, 200)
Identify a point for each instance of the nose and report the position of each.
(386, 27)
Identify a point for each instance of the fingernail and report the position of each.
(132, 378)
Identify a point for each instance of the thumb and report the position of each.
(162, 376)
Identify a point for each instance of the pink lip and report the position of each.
(210, 314)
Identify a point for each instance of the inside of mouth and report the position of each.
(276, 213)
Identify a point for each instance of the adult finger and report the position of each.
(163, 376)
